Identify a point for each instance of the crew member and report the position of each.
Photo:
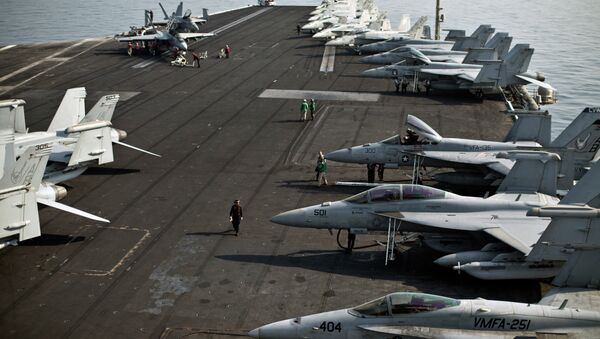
(427, 86)
(397, 83)
(322, 170)
(298, 29)
(196, 59)
(380, 169)
(236, 216)
(371, 173)
(227, 51)
(351, 240)
(303, 110)
(312, 105)
(404, 86)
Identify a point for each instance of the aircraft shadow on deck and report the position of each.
(413, 268)
(226, 232)
(52, 240)
(110, 171)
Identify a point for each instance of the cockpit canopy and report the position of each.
(389, 193)
(403, 303)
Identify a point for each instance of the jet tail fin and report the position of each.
(179, 10)
(18, 206)
(417, 29)
(532, 172)
(476, 55)
(70, 111)
(531, 126)
(164, 12)
(501, 43)
(103, 110)
(454, 33)
(573, 236)
(205, 13)
(477, 40)
(583, 136)
(504, 73)
(587, 190)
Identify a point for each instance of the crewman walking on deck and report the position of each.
(298, 29)
(196, 61)
(227, 51)
(236, 216)
(371, 173)
(303, 110)
(312, 105)
(322, 170)
(380, 169)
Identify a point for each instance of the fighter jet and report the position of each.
(488, 76)
(572, 236)
(365, 22)
(175, 34)
(79, 140)
(475, 161)
(500, 43)
(368, 36)
(477, 40)
(185, 22)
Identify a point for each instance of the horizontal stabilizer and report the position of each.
(535, 82)
(70, 209)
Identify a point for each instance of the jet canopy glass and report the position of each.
(403, 303)
(396, 193)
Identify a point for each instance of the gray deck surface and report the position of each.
(168, 265)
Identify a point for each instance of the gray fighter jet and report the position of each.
(475, 160)
(572, 236)
(367, 36)
(175, 34)
(492, 232)
(500, 42)
(185, 22)
(79, 140)
(488, 76)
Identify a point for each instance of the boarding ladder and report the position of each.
(393, 226)
(417, 162)
(416, 82)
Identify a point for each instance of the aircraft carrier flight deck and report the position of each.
(168, 265)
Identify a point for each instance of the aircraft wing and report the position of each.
(149, 37)
(187, 36)
(511, 227)
(582, 298)
(487, 159)
(460, 73)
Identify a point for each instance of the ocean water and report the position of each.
(563, 33)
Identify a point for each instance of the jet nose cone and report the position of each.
(368, 59)
(290, 218)
(279, 330)
(341, 155)
(255, 333)
(379, 72)
(334, 42)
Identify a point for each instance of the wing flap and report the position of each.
(187, 36)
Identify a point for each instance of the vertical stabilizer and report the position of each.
(583, 136)
(477, 55)
(103, 110)
(573, 236)
(501, 43)
(454, 33)
(416, 30)
(70, 111)
(531, 126)
(532, 172)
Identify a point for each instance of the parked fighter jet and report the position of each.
(475, 160)
(368, 36)
(175, 34)
(477, 40)
(185, 22)
(500, 42)
(495, 233)
(79, 140)
(366, 22)
(486, 78)
(571, 236)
